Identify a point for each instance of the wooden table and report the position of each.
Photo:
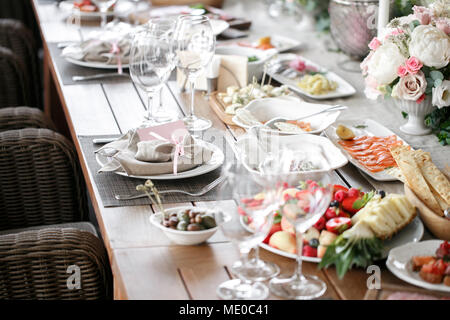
(145, 264)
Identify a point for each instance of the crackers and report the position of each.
(423, 177)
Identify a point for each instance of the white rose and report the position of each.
(430, 45)
(441, 95)
(410, 87)
(384, 63)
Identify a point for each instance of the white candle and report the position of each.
(383, 15)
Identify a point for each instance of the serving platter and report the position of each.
(367, 127)
(344, 89)
(281, 43)
(399, 263)
(215, 162)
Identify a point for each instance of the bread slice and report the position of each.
(433, 176)
(406, 162)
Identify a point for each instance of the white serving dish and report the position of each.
(411, 234)
(344, 88)
(290, 108)
(367, 127)
(254, 152)
(255, 68)
(186, 238)
(399, 263)
(215, 162)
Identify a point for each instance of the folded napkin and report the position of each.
(149, 158)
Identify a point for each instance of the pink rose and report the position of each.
(422, 14)
(374, 44)
(402, 71)
(443, 24)
(413, 65)
(410, 87)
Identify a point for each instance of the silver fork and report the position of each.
(203, 191)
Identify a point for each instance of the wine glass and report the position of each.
(103, 6)
(151, 63)
(304, 201)
(247, 225)
(194, 47)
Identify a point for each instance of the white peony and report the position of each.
(430, 45)
(384, 63)
(441, 95)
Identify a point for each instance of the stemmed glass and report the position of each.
(303, 209)
(151, 63)
(246, 226)
(103, 6)
(194, 47)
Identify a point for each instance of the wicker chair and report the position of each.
(15, 36)
(15, 118)
(44, 263)
(13, 86)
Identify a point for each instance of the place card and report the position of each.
(167, 131)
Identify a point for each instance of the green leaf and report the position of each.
(404, 114)
(277, 218)
(360, 126)
(358, 204)
(437, 83)
(436, 75)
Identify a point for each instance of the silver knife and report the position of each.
(100, 76)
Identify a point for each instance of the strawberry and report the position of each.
(320, 224)
(347, 204)
(340, 195)
(338, 225)
(309, 251)
(275, 228)
(343, 214)
(338, 187)
(353, 192)
(331, 213)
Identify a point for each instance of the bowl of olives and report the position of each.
(186, 225)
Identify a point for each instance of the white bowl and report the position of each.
(186, 238)
(255, 68)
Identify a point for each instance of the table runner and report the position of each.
(67, 70)
(110, 184)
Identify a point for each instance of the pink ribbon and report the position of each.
(179, 148)
(115, 49)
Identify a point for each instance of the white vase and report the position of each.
(416, 116)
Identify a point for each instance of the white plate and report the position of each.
(68, 6)
(283, 44)
(290, 108)
(218, 26)
(411, 233)
(399, 263)
(215, 162)
(344, 88)
(371, 128)
(307, 143)
(95, 65)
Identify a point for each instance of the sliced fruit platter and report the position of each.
(355, 230)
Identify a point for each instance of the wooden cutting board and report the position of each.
(219, 108)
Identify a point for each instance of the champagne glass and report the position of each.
(303, 206)
(151, 63)
(103, 6)
(194, 46)
(247, 225)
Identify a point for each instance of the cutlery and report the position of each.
(447, 213)
(271, 123)
(100, 76)
(62, 45)
(103, 140)
(203, 191)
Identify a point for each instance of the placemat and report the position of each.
(67, 70)
(110, 184)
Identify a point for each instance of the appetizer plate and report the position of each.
(215, 162)
(281, 43)
(344, 89)
(291, 108)
(95, 65)
(367, 127)
(69, 7)
(399, 263)
(411, 233)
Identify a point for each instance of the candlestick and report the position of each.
(383, 15)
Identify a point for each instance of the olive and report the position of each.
(183, 216)
(314, 243)
(381, 193)
(173, 221)
(194, 227)
(192, 220)
(191, 213)
(334, 203)
(208, 222)
(173, 214)
(198, 219)
(166, 223)
(182, 226)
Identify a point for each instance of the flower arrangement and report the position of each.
(410, 60)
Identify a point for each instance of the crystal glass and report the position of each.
(194, 47)
(303, 208)
(247, 226)
(151, 63)
(103, 6)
